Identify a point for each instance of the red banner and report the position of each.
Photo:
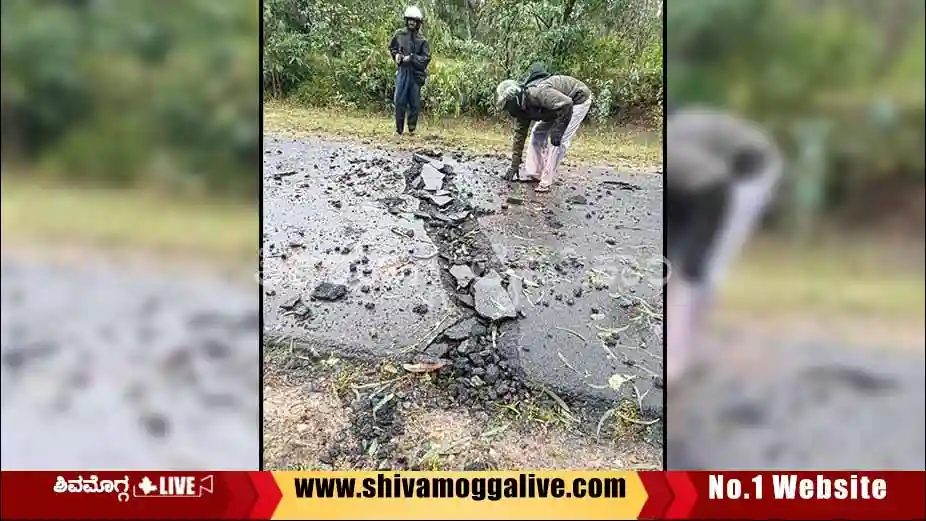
(784, 495)
(257, 495)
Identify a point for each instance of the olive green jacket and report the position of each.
(551, 100)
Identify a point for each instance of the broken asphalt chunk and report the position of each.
(330, 292)
(623, 185)
(296, 307)
(463, 329)
(440, 200)
(280, 175)
(515, 287)
(463, 275)
(465, 299)
(491, 299)
(432, 178)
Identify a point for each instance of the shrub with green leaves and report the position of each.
(324, 55)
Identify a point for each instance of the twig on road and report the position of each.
(566, 329)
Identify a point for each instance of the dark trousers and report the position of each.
(407, 99)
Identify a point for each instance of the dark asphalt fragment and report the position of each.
(330, 292)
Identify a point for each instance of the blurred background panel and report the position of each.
(816, 356)
(130, 152)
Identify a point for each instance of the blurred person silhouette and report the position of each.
(410, 51)
(720, 174)
(555, 105)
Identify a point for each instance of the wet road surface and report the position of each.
(799, 405)
(109, 368)
(569, 249)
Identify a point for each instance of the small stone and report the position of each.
(156, 425)
(329, 292)
(421, 309)
(463, 347)
(461, 330)
(437, 350)
(491, 374)
(478, 330)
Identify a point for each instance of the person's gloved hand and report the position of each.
(512, 172)
(407, 58)
(398, 59)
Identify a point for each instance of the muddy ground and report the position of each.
(484, 296)
(109, 367)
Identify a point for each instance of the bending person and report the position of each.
(556, 106)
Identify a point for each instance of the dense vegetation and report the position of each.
(857, 66)
(335, 53)
(128, 92)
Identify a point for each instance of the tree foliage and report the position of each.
(130, 91)
(855, 64)
(335, 54)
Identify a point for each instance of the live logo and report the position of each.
(177, 486)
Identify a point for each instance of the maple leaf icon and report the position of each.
(147, 486)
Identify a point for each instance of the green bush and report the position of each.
(129, 92)
(857, 65)
(474, 46)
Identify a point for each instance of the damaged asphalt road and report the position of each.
(799, 405)
(432, 259)
(111, 368)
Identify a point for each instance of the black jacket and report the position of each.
(412, 43)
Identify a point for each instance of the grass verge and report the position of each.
(611, 146)
(861, 279)
(35, 212)
(317, 417)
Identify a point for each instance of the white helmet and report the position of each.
(414, 13)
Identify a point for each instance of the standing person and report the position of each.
(411, 54)
(558, 104)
